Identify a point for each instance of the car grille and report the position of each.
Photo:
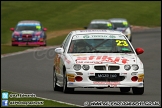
(119, 78)
(27, 37)
(100, 67)
(104, 67)
(113, 68)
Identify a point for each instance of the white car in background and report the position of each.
(100, 24)
(98, 59)
(121, 24)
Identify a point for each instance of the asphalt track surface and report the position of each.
(32, 73)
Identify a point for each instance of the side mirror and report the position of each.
(59, 50)
(12, 29)
(44, 29)
(85, 27)
(139, 51)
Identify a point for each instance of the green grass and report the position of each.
(45, 103)
(56, 41)
(59, 15)
(9, 49)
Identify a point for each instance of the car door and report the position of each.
(60, 58)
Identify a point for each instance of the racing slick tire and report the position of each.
(55, 86)
(65, 88)
(138, 90)
(124, 89)
(45, 43)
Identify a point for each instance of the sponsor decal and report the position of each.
(70, 83)
(86, 36)
(93, 30)
(100, 59)
(66, 60)
(111, 84)
(121, 43)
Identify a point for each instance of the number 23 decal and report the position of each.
(121, 43)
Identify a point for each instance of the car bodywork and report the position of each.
(121, 24)
(28, 33)
(110, 61)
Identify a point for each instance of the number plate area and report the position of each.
(107, 75)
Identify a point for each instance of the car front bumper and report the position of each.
(87, 82)
(104, 84)
(28, 43)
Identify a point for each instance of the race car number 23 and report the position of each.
(121, 43)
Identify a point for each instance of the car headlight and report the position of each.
(127, 67)
(85, 67)
(77, 67)
(135, 67)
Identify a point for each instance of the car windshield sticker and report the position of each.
(29, 24)
(119, 21)
(109, 25)
(98, 22)
(27, 32)
(38, 27)
(125, 49)
(98, 36)
(101, 59)
(121, 43)
(125, 23)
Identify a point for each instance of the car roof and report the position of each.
(117, 19)
(29, 21)
(88, 31)
(99, 20)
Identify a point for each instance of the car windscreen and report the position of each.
(33, 27)
(116, 25)
(105, 44)
(99, 26)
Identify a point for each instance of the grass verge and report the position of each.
(30, 101)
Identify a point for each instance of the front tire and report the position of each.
(55, 86)
(138, 90)
(65, 88)
(124, 89)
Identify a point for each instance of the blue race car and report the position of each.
(29, 33)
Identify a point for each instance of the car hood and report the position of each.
(112, 58)
(29, 32)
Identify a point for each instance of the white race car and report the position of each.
(121, 24)
(98, 59)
